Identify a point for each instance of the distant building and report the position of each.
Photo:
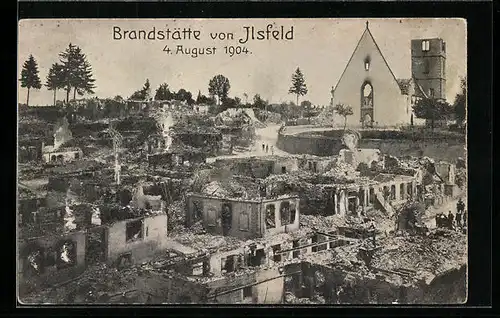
(376, 96)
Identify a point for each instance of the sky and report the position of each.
(321, 48)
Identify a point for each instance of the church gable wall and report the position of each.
(389, 104)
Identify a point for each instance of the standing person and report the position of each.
(460, 206)
(450, 219)
(459, 219)
(263, 147)
(272, 150)
(267, 148)
(371, 230)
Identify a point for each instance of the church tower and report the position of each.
(428, 66)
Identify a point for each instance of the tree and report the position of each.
(258, 102)
(144, 93)
(55, 79)
(298, 87)
(183, 95)
(432, 110)
(163, 92)
(245, 96)
(77, 72)
(202, 99)
(29, 76)
(344, 111)
(460, 102)
(229, 103)
(219, 86)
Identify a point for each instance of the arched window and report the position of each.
(367, 91)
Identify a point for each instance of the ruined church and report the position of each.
(377, 97)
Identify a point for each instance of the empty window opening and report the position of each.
(276, 253)
(283, 169)
(334, 202)
(402, 191)
(352, 205)
(227, 218)
(247, 292)
(367, 90)
(315, 166)
(314, 240)
(244, 221)
(198, 269)
(367, 63)
(133, 230)
(285, 213)
(227, 264)
(425, 45)
(60, 158)
(206, 268)
(270, 216)
(310, 165)
(393, 192)
(66, 255)
(293, 214)
(431, 92)
(77, 155)
(409, 190)
(197, 210)
(34, 262)
(211, 217)
(53, 158)
(258, 258)
(295, 244)
(362, 197)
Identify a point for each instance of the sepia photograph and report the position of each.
(242, 161)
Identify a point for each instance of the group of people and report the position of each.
(265, 148)
(457, 221)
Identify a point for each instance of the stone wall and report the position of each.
(321, 145)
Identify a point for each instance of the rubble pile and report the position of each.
(322, 223)
(343, 172)
(229, 188)
(268, 117)
(326, 117)
(93, 286)
(438, 252)
(176, 212)
(292, 299)
(209, 242)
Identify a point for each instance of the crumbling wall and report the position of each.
(50, 270)
(244, 221)
(270, 291)
(324, 145)
(151, 240)
(448, 288)
(170, 288)
(229, 290)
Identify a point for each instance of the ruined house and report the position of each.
(244, 218)
(57, 152)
